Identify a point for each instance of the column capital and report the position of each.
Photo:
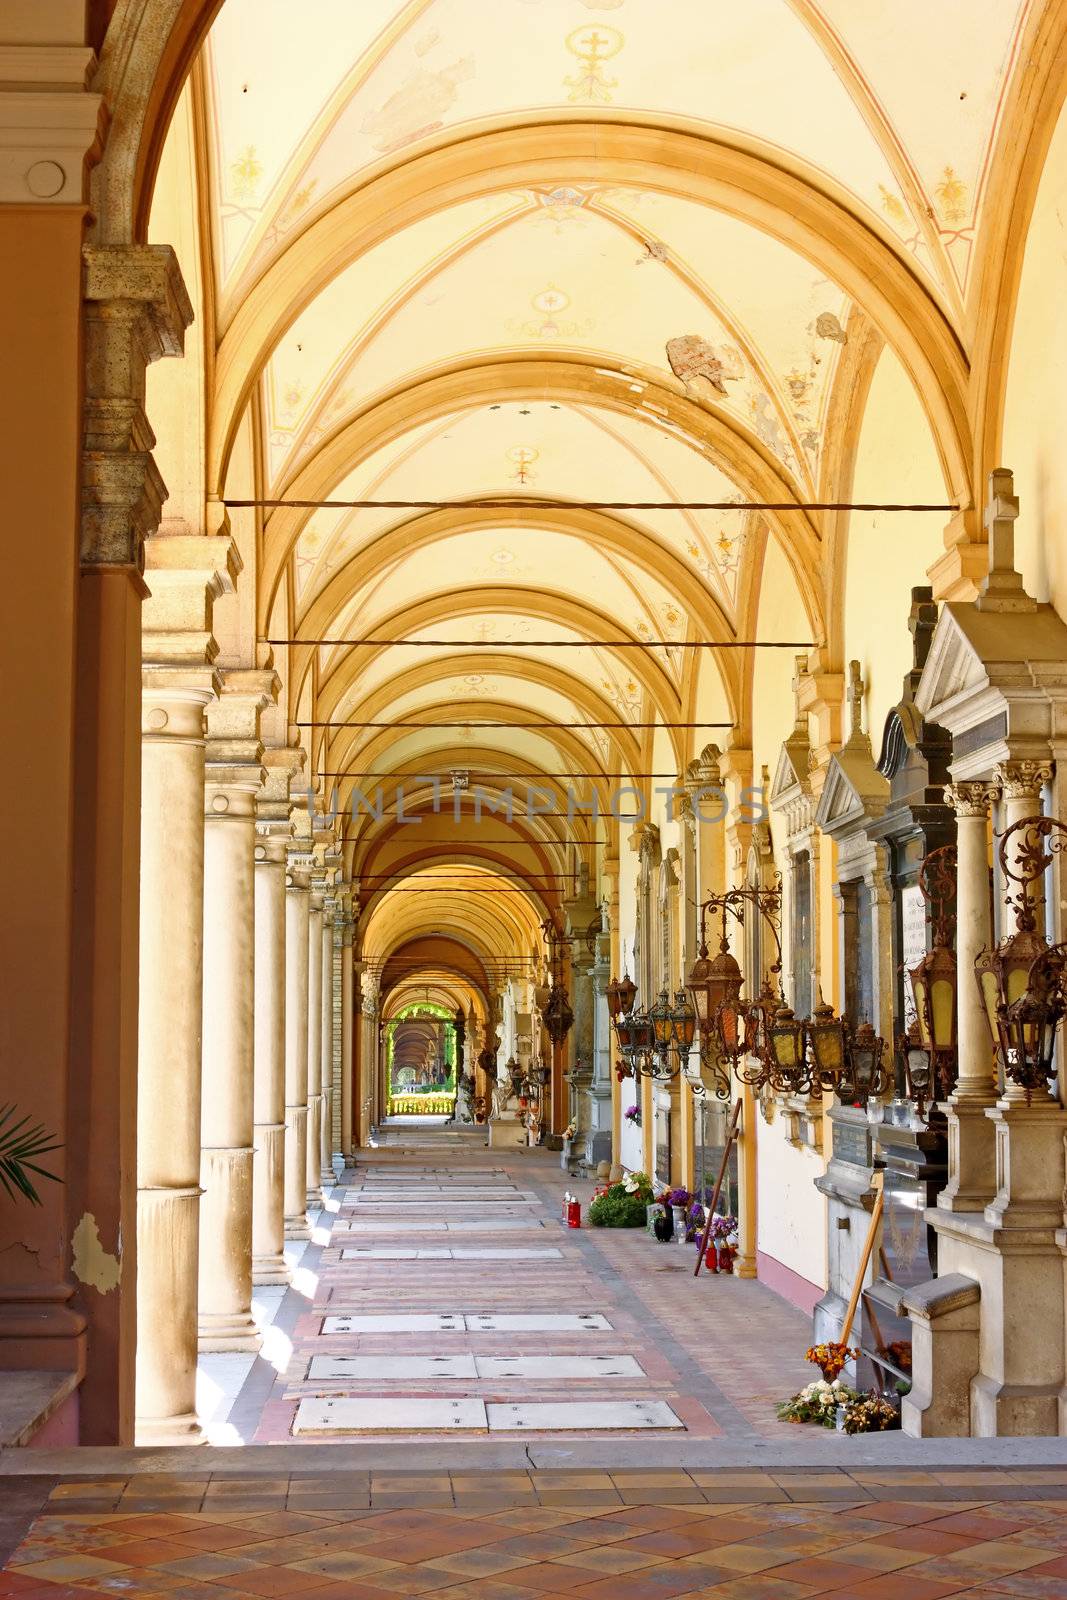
(971, 799)
(173, 701)
(185, 576)
(298, 866)
(274, 807)
(136, 310)
(1023, 780)
(140, 284)
(271, 848)
(51, 126)
(233, 770)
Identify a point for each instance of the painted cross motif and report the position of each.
(592, 47)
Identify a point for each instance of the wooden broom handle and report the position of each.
(868, 1246)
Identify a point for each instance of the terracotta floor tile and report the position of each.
(153, 1527)
(824, 1572)
(651, 1517)
(275, 1581)
(891, 1586)
(550, 1577)
(976, 1526)
(613, 1558)
(676, 1542)
(659, 1583)
(61, 1569)
(209, 1564)
(344, 1564)
(486, 1561)
(907, 1513)
(147, 1552)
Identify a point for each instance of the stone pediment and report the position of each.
(982, 664)
(854, 791)
(791, 774)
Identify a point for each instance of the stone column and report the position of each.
(347, 976)
(1021, 783)
(135, 312)
(314, 1045)
(326, 1117)
(297, 901)
(233, 776)
(368, 1055)
(273, 834)
(185, 575)
(972, 1176)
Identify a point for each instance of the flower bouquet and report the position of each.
(818, 1402)
(633, 1114)
(869, 1413)
(830, 1358)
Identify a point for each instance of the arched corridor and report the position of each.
(536, 653)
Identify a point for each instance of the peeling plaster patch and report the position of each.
(92, 1264)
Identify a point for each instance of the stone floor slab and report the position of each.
(538, 1322)
(415, 1322)
(386, 1415)
(588, 1416)
(392, 1369)
(558, 1367)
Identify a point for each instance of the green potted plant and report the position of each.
(21, 1143)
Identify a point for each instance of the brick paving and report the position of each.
(718, 1350)
(520, 1535)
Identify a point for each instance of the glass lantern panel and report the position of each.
(943, 1004)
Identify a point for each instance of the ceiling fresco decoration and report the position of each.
(364, 85)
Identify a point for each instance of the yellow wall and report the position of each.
(1035, 416)
(888, 552)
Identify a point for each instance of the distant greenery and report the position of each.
(20, 1145)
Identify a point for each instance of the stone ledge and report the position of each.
(28, 1399)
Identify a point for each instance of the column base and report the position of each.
(269, 1269)
(222, 1332)
(1014, 1410)
(297, 1227)
(972, 1157)
(155, 1433)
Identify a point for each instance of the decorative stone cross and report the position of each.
(800, 717)
(854, 695)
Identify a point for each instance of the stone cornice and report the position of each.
(50, 125)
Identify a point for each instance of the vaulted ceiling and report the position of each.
(562, 252)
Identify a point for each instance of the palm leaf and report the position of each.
(20, 1144)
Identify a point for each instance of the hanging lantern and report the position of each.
(661, 1018)
(621, 996)
(712, 984)
(863, 1074)
(558, 1017)
(787, 1048)
(918, 1069)
(1021, 980)
(826, 1035)
(683, 1024)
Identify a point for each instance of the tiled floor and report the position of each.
(521, 1535)
(363, 1517)
(716, 1351)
